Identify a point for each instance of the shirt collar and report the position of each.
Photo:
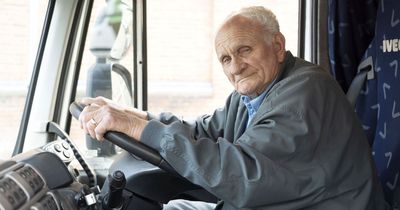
(253, 104)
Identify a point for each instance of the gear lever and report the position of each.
(113, 199)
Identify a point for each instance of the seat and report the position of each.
(378, 103)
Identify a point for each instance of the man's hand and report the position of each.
(101, 115)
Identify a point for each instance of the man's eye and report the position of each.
(244, 50)
(226, 60)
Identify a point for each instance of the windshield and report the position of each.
(106, 69)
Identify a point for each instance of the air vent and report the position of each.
(31, 177)
(46, 203)
(11, 193)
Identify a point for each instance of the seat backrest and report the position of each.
(378, 104)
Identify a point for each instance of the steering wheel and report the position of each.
(129, 144)
(176, 183)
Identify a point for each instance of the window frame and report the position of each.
(19, 144)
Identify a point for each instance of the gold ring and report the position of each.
(93, 122)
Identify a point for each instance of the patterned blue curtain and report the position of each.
(351, 25)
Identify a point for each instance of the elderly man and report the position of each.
(286, 139)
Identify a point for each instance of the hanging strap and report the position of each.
(365, 69)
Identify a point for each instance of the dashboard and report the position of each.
(21, 183)
(39, 180)
(47, 179)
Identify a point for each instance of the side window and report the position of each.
(19, 39)
(184, 74)
(107, 66)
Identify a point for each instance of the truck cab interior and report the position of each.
(158, 56)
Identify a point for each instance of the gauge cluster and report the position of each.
(38, 180)
(22, 187)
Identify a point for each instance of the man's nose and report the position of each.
(238, 66)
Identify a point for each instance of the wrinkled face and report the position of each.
(248, 60)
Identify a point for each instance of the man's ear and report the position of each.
(279, 46)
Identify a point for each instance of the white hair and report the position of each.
(261, 15)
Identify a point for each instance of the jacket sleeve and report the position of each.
(206, 126)
(276, 160)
